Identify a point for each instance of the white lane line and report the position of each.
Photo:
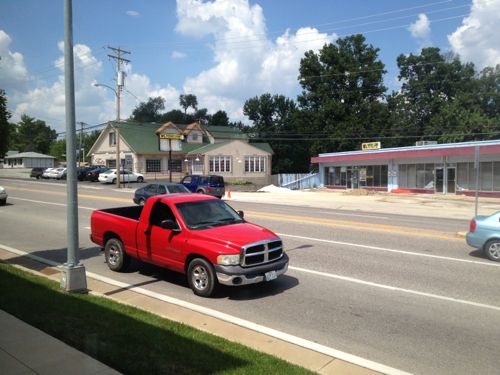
(54, 184)
(396, 289)
(376, 248)
(51, 203)
(366, 363)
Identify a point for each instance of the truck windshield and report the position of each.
(207, 214)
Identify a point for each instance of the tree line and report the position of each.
(343, 103)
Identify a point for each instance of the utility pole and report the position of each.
(72, 272)
(120, 81)
(80, 146)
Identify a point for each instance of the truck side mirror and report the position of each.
(241, 214)
(171, 225)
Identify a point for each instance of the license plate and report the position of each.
(271, 275)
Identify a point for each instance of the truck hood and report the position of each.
(234, 236)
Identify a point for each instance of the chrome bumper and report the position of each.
(234, 280)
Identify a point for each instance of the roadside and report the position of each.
(313, 360)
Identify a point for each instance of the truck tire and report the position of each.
(201, 277)
(492, 250)
(115, 255)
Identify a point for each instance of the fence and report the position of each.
(296, 181)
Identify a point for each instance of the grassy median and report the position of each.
(127, 339)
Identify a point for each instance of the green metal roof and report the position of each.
(263, 146)
(141, 137)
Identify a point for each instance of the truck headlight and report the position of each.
(229, 260)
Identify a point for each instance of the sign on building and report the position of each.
(370, 146)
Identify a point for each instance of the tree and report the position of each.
(5, 127)
(342, 102)
(33, 135)
(274, 121)
(58, 149)
(432, 83)
(219, 118)
(188, 101)
(149, 111)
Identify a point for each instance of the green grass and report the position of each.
(127, 339)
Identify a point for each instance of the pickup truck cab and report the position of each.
(198, 235)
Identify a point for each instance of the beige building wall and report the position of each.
(238, 150)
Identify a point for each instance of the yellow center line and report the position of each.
(308, 220)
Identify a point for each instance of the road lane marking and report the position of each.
(395, 289)
(51, 203)
(366, 363)
(491, 264)
(357, 225)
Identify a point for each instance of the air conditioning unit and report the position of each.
(425, 143)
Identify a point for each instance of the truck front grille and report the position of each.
(262, 252)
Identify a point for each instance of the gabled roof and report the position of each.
(206, 148)
(29, 155)
(142, 137)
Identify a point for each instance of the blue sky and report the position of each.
(223, 51)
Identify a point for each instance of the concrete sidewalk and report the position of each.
(25, 350)
(29, 351)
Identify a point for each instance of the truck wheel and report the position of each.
(492, 250)
(115, 255)
(201, 277)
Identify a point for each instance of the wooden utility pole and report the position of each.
(120, 81)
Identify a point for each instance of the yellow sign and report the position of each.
(370, 146)
(172, 136)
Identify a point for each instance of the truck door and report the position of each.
(156, 244)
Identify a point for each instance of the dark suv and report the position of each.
(37, 172)
(211, 185)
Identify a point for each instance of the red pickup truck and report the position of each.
(198, 235)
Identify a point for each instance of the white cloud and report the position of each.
(176, 55)
(247, 62)
(477, 39)
(13, 73)
(421, 30)
(133, 13)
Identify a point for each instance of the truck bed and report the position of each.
(131, 212)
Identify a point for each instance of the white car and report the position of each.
(46, 173)
(54, 173)
(3, 196)
(60, 173)
(109, 177)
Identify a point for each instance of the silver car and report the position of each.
(3, 196)
(484, 233)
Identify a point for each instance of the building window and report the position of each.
(176, 165)
(255, 164)
(219, 163)
(416, 176)
(112, 138)
(153, 165)
(194, 136)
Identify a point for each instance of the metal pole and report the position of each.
(117, 132)
(477, 167)
(170, 158)
(73, 273)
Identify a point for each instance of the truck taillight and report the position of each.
(472, 227)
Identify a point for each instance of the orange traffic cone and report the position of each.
(229, 192)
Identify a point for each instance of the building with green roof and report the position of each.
(161, 150)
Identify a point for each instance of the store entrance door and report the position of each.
(439, 180)
(451, 180)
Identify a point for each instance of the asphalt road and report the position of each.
(400, 290)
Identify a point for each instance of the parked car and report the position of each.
(81, 173)
(484, 234)
(197, 235)
(210, 185)
(142, 194)
(93, 174)
(37, 172)
(3, 196)
(109, 176)
(60, 173)
(47, 172)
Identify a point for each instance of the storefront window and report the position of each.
(486, 183)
